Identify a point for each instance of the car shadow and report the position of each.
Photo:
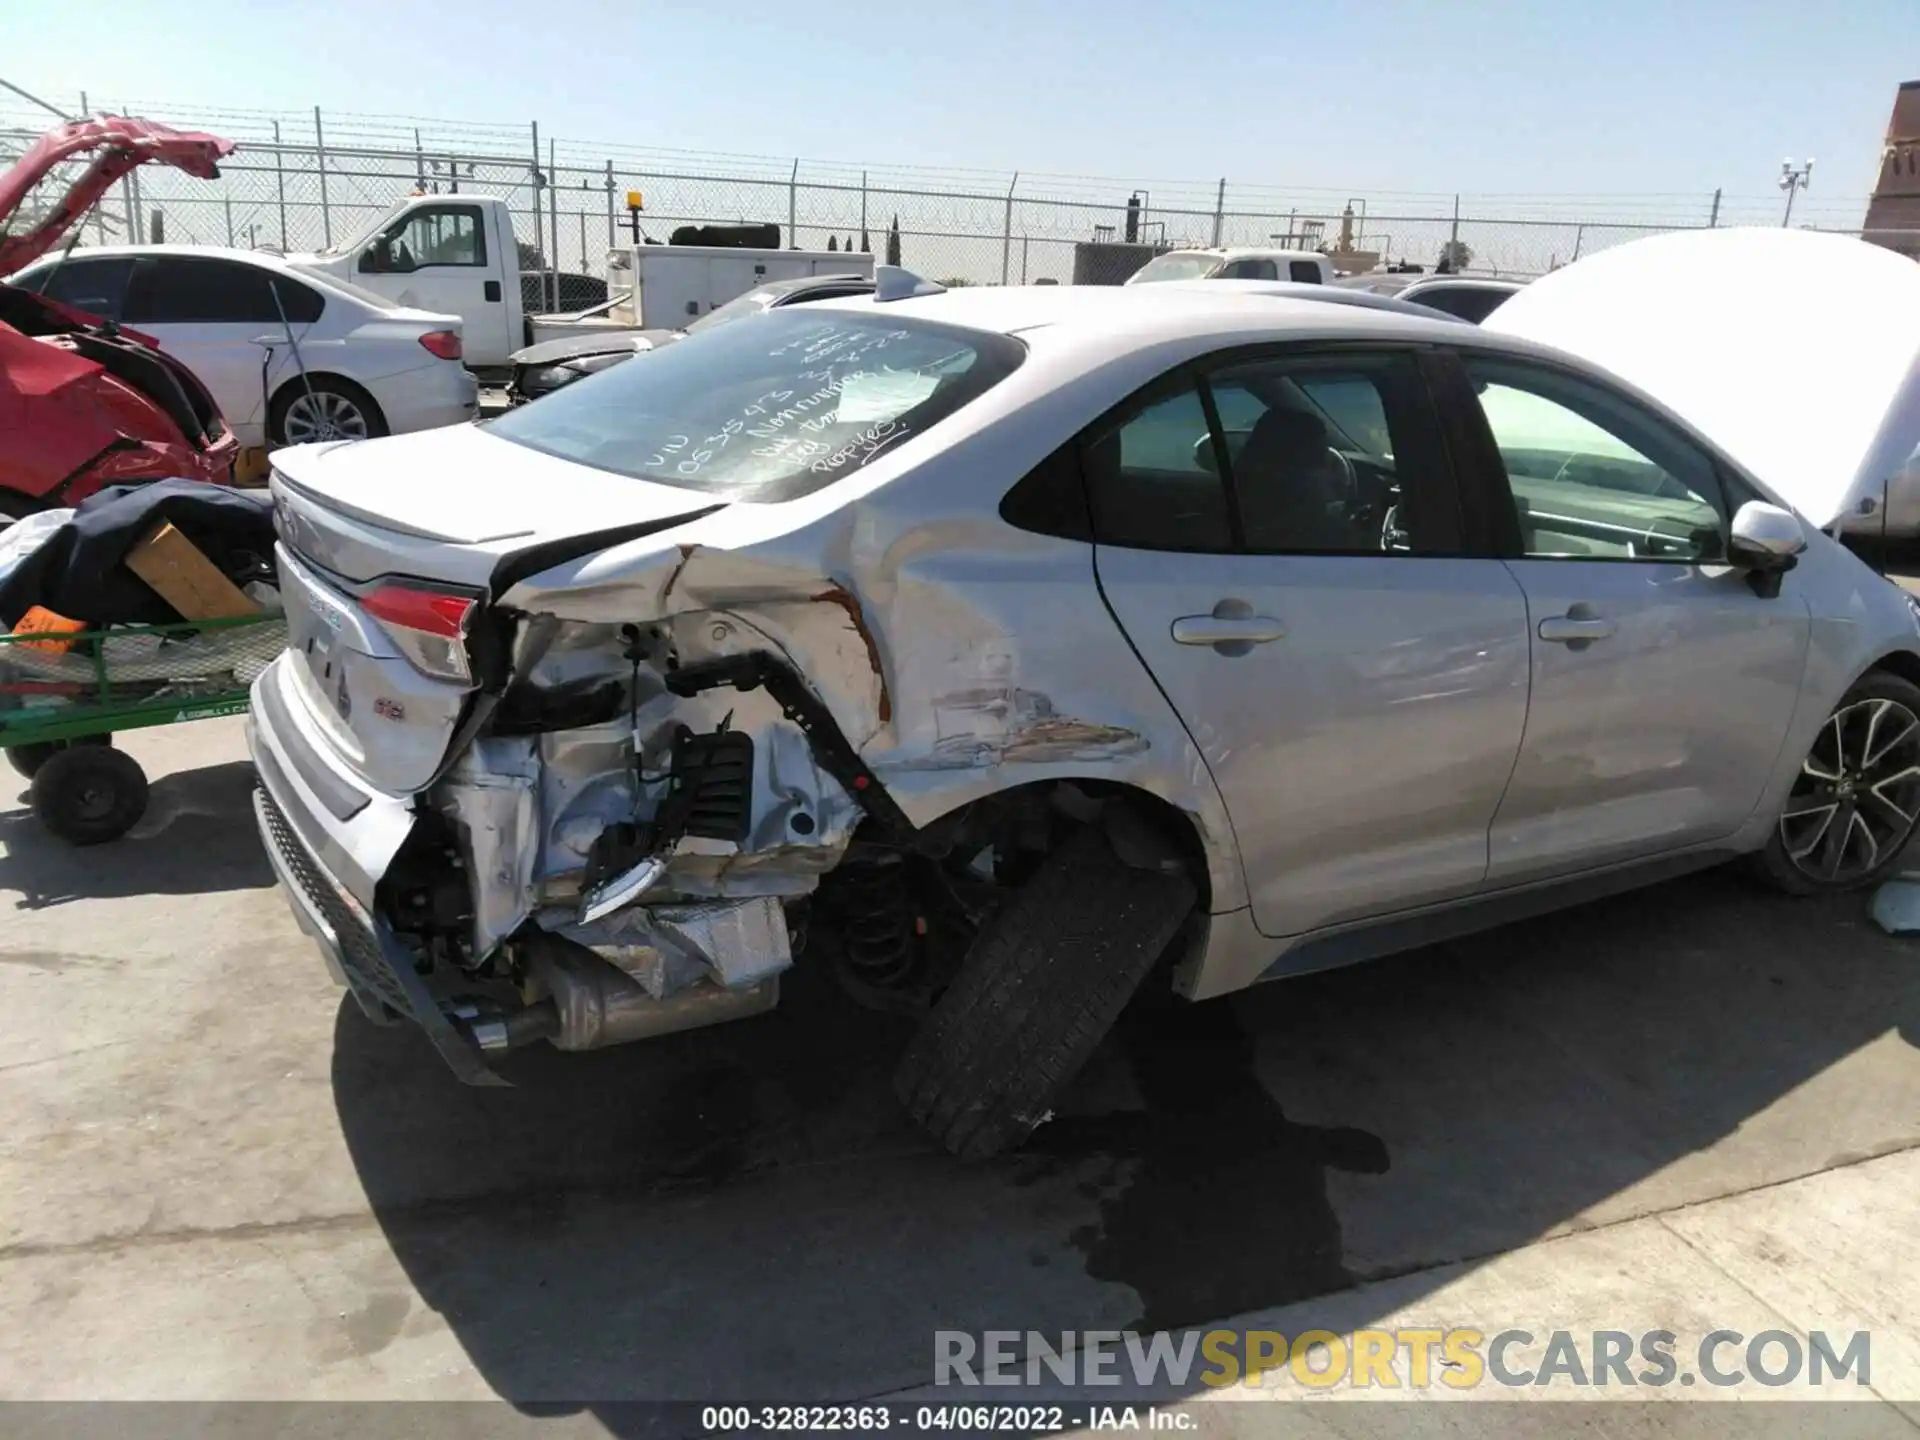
(197, 837)
(743, 1213)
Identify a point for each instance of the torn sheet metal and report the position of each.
(1012, 725)
(491, 796)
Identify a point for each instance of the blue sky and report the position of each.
(1626, 97)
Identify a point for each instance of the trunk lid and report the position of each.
(1796, 352)
(440, 512)
(124, 143)
(450, 504)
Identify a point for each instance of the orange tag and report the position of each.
(41, 621)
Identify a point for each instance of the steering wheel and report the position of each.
(1349, 481)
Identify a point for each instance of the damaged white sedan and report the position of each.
(1005, 650)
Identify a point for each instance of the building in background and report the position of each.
(1893, 215)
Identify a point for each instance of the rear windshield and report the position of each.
(1178, 265)
(769, 408)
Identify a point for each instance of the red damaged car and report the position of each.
(85, 403)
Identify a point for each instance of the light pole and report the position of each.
(1794, 179)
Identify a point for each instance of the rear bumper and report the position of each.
(330, 864)
(442, 393)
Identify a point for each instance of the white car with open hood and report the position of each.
(1797, 351)
(1005, 651)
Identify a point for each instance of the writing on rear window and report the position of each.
(769, 407)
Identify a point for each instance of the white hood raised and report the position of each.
(1797, 352)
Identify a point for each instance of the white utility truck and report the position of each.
(455, 254)
(668, 287)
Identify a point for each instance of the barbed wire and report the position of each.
(304, 180)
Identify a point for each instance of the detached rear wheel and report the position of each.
(1854, 804)
(89, 794)
(1041, 985)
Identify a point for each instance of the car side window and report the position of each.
(1461, 302)
(1249, 270)
(1335, 455)
(98, 287)
(191, 290)
(1152, 478)
(439, 235)
(1304, 272)
(1595, 476)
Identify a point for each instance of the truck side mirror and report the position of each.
(377, 257)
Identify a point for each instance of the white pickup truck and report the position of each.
(455, 254)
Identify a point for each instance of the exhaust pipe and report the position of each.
(594, 1004)
(497, 1034)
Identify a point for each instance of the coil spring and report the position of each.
(877, 933)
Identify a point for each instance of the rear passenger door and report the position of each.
(213, 313)
(1278, 535)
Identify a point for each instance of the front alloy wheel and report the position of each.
(1853, 806)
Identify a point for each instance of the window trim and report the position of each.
(1486, 470)
(399, 227)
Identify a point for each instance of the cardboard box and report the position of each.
(180, 575)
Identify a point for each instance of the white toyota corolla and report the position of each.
(1005, 650)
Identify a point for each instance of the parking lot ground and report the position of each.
(218, 1181)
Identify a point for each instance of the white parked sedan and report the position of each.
(1020, 645)
(237, 318)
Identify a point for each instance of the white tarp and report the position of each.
(1797, 352)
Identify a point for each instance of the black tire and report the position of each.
(1777, 864)
(89, 794)
(327, 391)
(1041, 985)
(27, 759)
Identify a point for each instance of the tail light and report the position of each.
(444, 343)
(429, 627)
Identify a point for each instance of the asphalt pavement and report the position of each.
(1697, 1104)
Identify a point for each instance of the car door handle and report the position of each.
(1226, 630)
(1575, 629)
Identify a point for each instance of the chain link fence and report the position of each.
(315, 181)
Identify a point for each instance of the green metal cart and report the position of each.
(61, 708)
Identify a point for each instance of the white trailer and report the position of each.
(667, 287)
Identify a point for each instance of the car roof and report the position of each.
(216, 252)
(1137, 315)
(1245, 252)
(807, 282)
(1398, 282)
(782, 291)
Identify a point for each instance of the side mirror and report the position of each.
(1204, 456)
(1766, 543)
(377, 258)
